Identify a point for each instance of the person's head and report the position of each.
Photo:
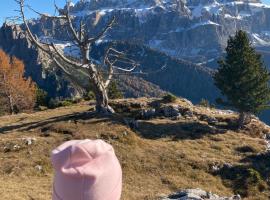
(86, 170)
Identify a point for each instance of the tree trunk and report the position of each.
(244, 119)
(102, 99)
(11, 106)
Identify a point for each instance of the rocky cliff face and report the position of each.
(13, 41)
(196, 30)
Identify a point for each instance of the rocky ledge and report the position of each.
(197, 194)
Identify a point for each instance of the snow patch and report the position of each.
(257, 40)
(68, 48)
(217, 8)
(203, 24)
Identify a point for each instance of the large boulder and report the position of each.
(197, 194)
(171, 111)
(267, 140)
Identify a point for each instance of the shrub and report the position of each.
(41, 97)
(65, 103)
(204, 103)
(89, 96)
(243, 179)
(169, 98)
(53, 103)
(114, 92)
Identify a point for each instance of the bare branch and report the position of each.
(121, 58)
(107, 61)
(64, 58)
(61, 66)
(45, 15)
(70, 25)
(139, 72)
(103, 32)
(126, 70)
(31, 36)
(57, 8)
(70, 76)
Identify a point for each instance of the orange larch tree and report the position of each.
(16, 92)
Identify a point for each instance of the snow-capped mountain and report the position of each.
(196, 30)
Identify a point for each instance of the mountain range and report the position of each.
(186, 36)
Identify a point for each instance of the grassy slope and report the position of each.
(161, 156)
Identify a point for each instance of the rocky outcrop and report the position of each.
(267, 141)
(197, 194)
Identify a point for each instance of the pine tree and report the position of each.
(243, 78)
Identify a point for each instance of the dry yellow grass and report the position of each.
(159, 157)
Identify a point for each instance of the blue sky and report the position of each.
(7, 7)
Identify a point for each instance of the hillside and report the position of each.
(162, 147)
(180, 77)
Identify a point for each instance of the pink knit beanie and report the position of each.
(86, 170)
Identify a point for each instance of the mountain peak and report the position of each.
(101, 4)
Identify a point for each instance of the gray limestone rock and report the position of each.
(197, 194)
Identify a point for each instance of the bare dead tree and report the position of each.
(81, 39)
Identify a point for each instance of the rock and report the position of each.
(45, 134)
(267, 136)
(11, 147)
(177, 117)
(267, 141)
(108, 136)
(209, 119)
(188, 114)
(29, 141)
(147, 113)
(16, 147)
(171, 111)
(39, 168)
(227, 165)
(197, 194)
(215, 168)
(132, 123)
(267, 145)
(7, 149)
(188, 102)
